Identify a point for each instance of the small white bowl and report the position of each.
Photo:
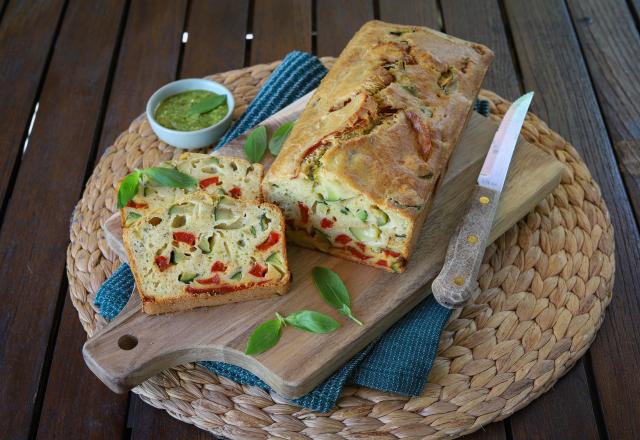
(189, 140)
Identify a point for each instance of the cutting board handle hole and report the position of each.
(127, 342)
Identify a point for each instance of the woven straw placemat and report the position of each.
(545, 285)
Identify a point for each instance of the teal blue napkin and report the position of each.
(400, 360)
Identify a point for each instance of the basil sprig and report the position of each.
(128, 188)
(256, 144)
(312, 322)
(169, 177)
(162, 176)
(279, 136)
(207, 105)
(267, 334)
(333, 290)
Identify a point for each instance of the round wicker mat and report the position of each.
(545, 285)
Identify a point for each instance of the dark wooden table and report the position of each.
(75, 72)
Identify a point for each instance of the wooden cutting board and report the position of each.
(136, 346)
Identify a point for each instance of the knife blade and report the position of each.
(457, 280)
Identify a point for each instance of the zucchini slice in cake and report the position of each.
(218, 175)
(206, 250)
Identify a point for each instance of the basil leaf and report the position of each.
(265, 336)
(207, 105)
(279, 136)
(331, 287)
(333, 290)
(128, 188)
(169, 177)
(310, 321)
(256, 144)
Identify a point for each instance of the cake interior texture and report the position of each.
(206, 249)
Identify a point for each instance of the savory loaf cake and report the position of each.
(205, 250)
(357, 174)
(223, 175)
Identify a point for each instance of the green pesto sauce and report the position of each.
(174, 112)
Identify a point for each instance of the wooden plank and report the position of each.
(144, 64)
(147, 422)
(148, 60)
(552, 65)
(543, 418)
(76, 403)
(629, 158)
(611, 45)
(36, 226)
(337, 21)
(216, 37)
(280, 26)
(416, 12)
(481, 21)
(635, 8)
(493, 431)
(26, 37)
(3, 8)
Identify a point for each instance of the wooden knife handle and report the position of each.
(455, 284)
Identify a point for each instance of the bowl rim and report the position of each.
(151, 117)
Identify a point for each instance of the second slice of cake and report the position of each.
(206, 250)
(217, 175)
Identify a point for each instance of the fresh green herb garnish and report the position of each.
(169, 177)
(256, 144)
(128, 188)
(313, 322)
(207, 105)
(333, 290)
(162, 176)
(267, 334)
(279, 136)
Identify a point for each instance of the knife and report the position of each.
(457, 280)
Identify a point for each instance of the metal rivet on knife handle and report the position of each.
(457, 280)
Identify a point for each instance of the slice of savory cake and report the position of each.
(218, 175)
(357, 174)
(205, 250)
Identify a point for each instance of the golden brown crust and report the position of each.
(358, 77)
(153, 306)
